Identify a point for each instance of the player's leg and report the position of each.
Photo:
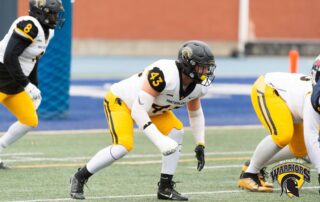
(169, 125)
(121, 128)
(21, 106)
(295, 149)
(311, 134)
(274, 114)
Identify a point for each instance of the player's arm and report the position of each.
(315, 97)
(197, 124)
(311, 120)
(152, 87)
(196, 120)
(22, 36)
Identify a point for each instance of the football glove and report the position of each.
(199, 150)
(34, 94)
(319, 181)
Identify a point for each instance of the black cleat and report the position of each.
(3, 166)
(263, 175)
(77, 188)
(167, 192)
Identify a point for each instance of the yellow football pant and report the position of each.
(22, 107)
(276, 117)
(121, 123)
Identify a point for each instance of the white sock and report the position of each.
(106, 157)
(265, 150)
(170, 162)
(15, 132)
(312, 141)
(284, 154)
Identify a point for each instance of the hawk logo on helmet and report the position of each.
(290, 176)
(41, 3)
(186, 53)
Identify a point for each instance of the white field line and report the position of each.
(22, 154)
(29, 157)
(152, 195)
(93, 131)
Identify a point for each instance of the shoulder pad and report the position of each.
(156, 79)
(27, 29)
(315, 97)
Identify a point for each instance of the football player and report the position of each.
(148, 99)
(20, 51)
(312, 119)
(282, 104)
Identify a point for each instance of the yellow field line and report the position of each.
(65, 165)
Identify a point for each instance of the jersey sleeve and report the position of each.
(14, 49)
(156, 79)
(26, 29)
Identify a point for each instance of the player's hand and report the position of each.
(200, 156)
(34, 94)
(319, 181)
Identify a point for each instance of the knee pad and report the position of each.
(118, 151)
(177, 135)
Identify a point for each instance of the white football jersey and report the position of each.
(172, 95)
(35, 50)
(311, 127)
(293, 89)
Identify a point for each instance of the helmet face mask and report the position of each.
(196, 60)
(48, 12)
(315, 71)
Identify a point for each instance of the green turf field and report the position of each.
(42, 164)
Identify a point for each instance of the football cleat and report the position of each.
(3, 166)
(76, 187)
(262, 175)
(167, 192)
(251, 182)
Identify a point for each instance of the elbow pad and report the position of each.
(197, 124)
(140, 108)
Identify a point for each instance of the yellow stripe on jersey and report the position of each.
(22, 33)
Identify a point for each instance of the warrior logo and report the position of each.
(290, 177)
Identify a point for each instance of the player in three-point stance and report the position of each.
(288, 106)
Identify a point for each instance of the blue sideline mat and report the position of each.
(228, 103)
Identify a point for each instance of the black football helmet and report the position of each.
(48, 12)
(315, 71)
(196, 60)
